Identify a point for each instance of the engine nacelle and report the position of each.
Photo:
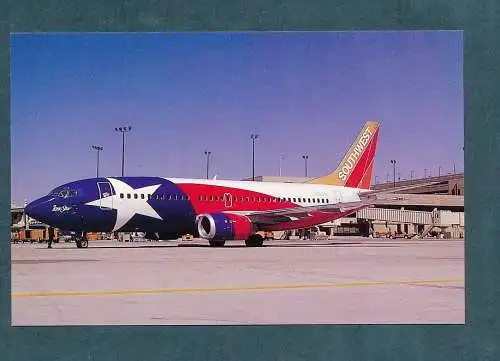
(223, 226)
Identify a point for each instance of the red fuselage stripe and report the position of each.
(213, 199)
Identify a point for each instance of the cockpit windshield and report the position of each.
(63, 193)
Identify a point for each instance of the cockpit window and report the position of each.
(64, 193)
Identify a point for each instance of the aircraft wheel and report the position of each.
(84, 243)
(216, 243)
(78, 243)
(255, 240)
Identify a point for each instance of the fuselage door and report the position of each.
(228, 200)
(338, 197)
(105, 193)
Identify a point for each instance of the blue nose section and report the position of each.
(32, 210)
(39, 209)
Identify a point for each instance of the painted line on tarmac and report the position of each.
(234, 289)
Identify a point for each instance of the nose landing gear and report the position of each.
(81, 240)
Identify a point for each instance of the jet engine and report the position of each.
(222, 226)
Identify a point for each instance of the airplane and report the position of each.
(215, 210)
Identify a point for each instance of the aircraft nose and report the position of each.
(31, 209)
(37, 209)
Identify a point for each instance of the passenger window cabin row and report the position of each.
(206, 198)
(265, 199)
(163, 197)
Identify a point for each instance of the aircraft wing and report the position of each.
(295, 213)
(367, 199)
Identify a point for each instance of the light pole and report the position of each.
(411, 176)
(280, 161)
(207, 153)
(439, 171)
(454, 171)
(305, 157)
(393, 161)
(425, 173)
(376, 179)
(98, 149)
(123, 130)
(25, 216)
(253, 137)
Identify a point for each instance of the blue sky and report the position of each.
(184, 93)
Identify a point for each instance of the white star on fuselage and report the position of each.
(125, 207)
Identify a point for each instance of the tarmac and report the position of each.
(350, 280)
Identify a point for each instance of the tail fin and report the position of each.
(356, 168)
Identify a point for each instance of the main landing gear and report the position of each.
(216, 243)
(255, 240)
(81, 240)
